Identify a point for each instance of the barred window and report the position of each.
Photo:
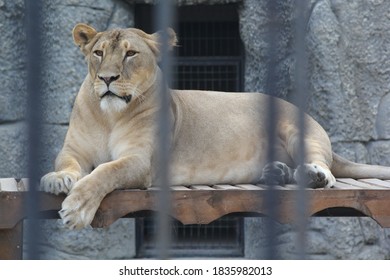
(209, 57)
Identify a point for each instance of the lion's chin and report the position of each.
(113, 104)
(126, 98)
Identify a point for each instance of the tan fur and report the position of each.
(216, 137)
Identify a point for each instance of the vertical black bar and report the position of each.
(272, 116)
(34, 116)
(164, 15)
(301, 95)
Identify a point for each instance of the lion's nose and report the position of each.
(108, 80)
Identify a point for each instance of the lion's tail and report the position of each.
(343, 168)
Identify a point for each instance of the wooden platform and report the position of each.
(202, 204)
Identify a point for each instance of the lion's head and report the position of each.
(122, 62)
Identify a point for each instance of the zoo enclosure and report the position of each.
(35, 120)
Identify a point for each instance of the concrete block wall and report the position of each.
(12, 97)
(348, 44)
(348, 49)
(64, 72)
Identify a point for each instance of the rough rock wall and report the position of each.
(348, 44)
(326, 239)
(64, 71)
(348, 47)
(12, 97)
(65, 66)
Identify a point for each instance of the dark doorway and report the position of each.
(209, 57)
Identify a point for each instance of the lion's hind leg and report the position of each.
(315, 171)
(277, 173)
(314, 176)
(310, 175)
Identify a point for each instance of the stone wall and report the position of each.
(65, 69)
(12, 97)
(348, 43)
(348, 46)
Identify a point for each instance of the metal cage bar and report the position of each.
(301, 96)
(164, 16)
(272, 120)
(34, 120)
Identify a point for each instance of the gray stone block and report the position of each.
(352, 238)
(382, 123)
(65, 65)
(254, 28)
(379, 152)
(52, 140)
(114, 242)
(347, 48)
(12, 62)
(354, 151)
(326, 238)
(13, 150)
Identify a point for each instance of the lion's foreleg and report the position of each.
(79, 208)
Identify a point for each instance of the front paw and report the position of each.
(58, 182)
(80, 206)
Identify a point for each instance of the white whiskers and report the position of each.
(112, 103)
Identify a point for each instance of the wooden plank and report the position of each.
(180, 188)
(202, 187)
(225, 187)
(290, 187)
(372, 203)
(11, 242)
(13, 185)
(250, 187)
(8, 185)
(344, 186)
(354, 182)
(283, 188)
(376, 183)
(23, 185)
(13, 210)
(200, 204)
(360, 184)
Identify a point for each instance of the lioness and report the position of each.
(216, 137)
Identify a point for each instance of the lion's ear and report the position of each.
(172, 38)
(154, 40)
(82, 35)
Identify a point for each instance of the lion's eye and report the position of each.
(98, 53)
(131, 53)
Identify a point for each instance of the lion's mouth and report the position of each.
(126, 98)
